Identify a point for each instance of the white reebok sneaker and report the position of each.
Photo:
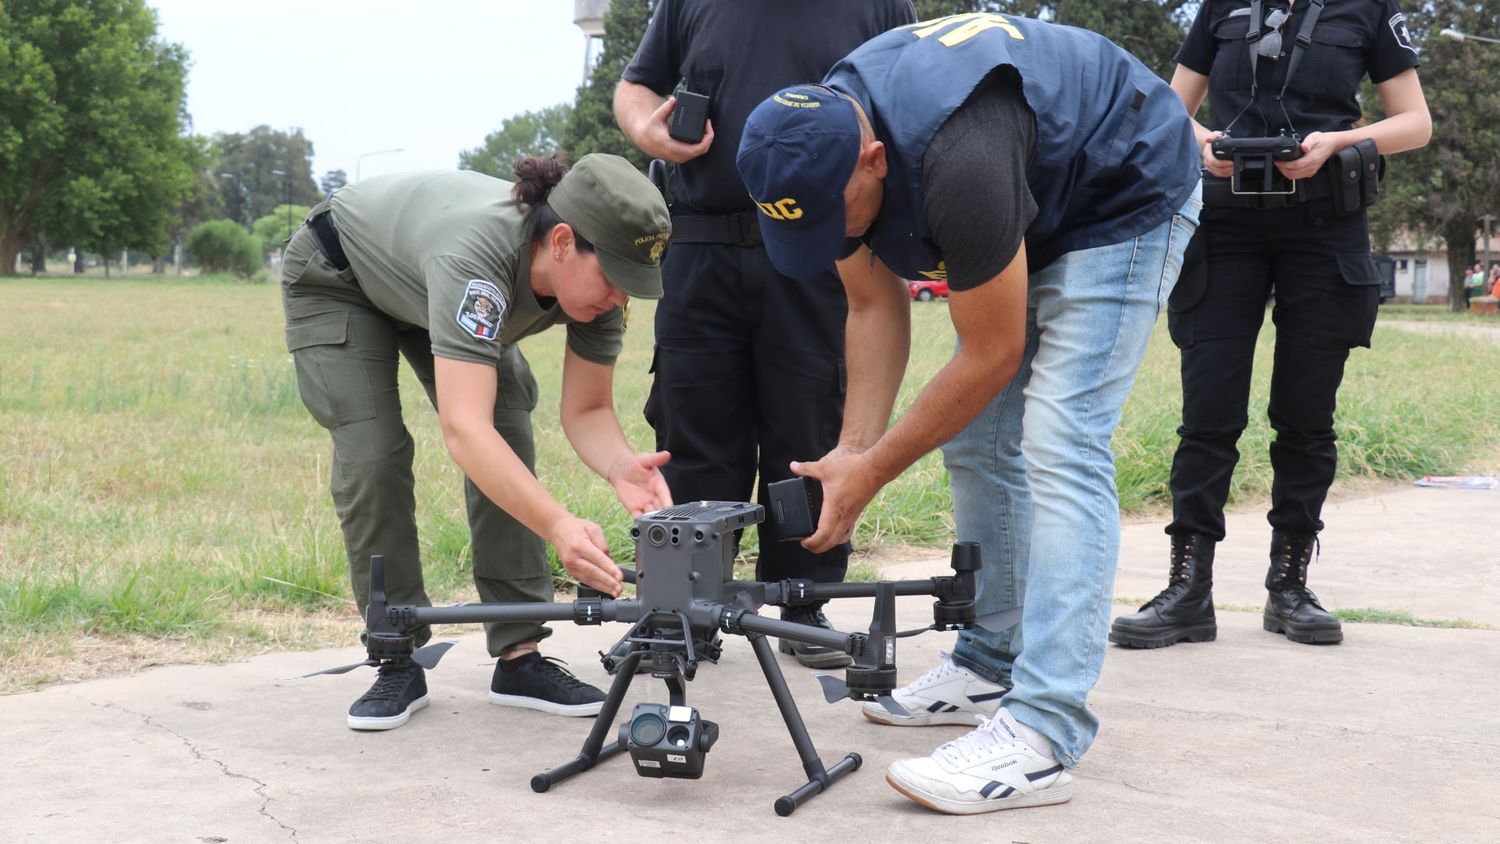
(948, 694)
(989, 769)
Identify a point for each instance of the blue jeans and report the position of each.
(1034, 478)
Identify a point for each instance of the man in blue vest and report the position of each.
(1053, 181)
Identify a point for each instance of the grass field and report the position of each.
(163, 492)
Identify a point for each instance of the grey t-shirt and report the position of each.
(449, 251)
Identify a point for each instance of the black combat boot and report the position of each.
(1292, 608)
(1184, 611)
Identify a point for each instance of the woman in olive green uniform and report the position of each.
(451, 269)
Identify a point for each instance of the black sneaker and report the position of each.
(812, 656)
(537, 682)
(400, 690)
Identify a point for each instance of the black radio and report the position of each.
(689, 117)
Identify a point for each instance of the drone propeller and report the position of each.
(835, 690)
(999, 622)
(342, 669)
(427, 657)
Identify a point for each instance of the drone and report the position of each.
(686, 595)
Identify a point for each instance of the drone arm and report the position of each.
(582, 611)
(737, 620)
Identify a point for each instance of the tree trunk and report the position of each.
(1459, 237)
(78, 262)
(10, 250)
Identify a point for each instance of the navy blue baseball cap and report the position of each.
(796, 156)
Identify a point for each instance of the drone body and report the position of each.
(686, 596)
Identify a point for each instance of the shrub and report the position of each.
(225, 246)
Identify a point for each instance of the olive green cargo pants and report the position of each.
(345, 350)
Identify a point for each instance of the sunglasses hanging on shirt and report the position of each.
(1269, 45)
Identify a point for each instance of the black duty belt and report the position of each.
(1217, 193)
(327, 238)
(742, 229)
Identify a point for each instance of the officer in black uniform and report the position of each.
(1288, 73)
(746, 359)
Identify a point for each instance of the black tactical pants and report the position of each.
(1318, 269)
(749, 376)
(346, 353)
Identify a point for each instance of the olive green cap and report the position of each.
(607, 201)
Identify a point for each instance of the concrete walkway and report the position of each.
(1391, 736)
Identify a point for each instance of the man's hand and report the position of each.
(581, 547)
(642, 114)
(848, 485)
(639, 483)
(1316, 149)
(1217, 167)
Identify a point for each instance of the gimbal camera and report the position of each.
(685, 596)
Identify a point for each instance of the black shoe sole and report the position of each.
(1302, 635)
(831, 659)
(1158, 639)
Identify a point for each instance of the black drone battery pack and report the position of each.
(795, 505)
(689, 117)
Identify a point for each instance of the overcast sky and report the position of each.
(359, 76)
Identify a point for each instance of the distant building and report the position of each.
(1421, 270)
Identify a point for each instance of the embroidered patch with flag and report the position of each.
(481, 310)
(1398, 29)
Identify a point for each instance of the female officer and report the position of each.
(450, 270)
(1267, 70)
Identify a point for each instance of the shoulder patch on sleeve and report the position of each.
(482, 309)
(1398, 29)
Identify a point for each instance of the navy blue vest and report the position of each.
(1115, 153)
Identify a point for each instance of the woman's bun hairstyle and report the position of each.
(536, 176)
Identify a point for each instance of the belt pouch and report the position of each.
(1347, 173)
(1370, 176)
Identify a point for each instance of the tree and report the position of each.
(1442, 191)
(278, 225)
(201, 202)
(225, 246)
(332, 181)
(528, 133)
(1449, 186)
(91, 109)
(592, 127)
(249, 187)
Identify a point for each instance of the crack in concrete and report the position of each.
(260, 787)
(1125, 783)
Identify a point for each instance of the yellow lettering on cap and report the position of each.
(796, 100)
(658, 243)
(781, 209)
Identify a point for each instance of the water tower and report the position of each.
(589, 16)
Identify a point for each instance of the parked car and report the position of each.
(928, 289)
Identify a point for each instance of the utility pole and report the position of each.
(1487, 225)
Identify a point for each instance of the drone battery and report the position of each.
(795, 505)
(689, 117)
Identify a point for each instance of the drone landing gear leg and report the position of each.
(818, 778)
(594, 749)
